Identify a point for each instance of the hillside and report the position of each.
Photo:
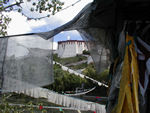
(65, 81)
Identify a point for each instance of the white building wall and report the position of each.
(80, 47)
(70, 48)
(60, 50)
(77, 51)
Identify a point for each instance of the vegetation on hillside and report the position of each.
(20, 103)
(86, 52)
(65, 81)
(91, 72)
(79, 66)
(69, 60)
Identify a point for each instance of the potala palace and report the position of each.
(70, 48)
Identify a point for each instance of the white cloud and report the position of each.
(19, 23)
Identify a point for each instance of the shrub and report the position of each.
(86, 52)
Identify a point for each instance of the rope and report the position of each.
(26, 34)
(48, 107)
(82, 93)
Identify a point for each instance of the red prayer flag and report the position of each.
(98, 97)
(40, 107)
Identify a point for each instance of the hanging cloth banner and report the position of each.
(3, 48)
(25, 62)
(128, 94)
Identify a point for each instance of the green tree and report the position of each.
(86, 52)
(65, 81)
(104, 76)
(40, 6)
(91, 72)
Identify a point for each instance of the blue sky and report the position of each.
(19, 23)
